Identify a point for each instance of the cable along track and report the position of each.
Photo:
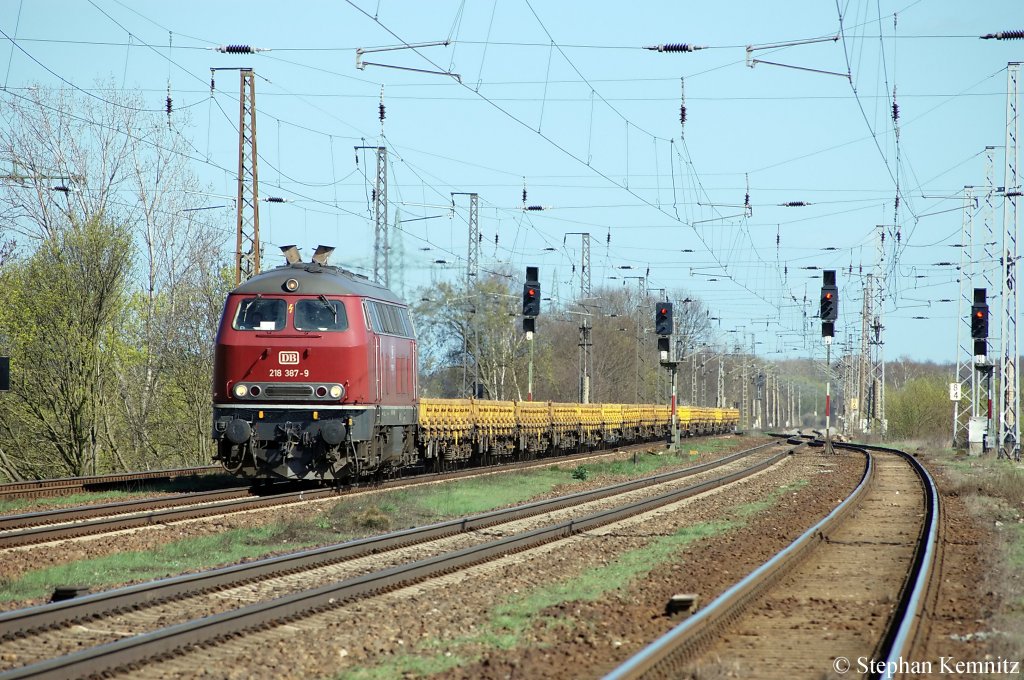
(25, 630)
(846, 596)
(62, 486)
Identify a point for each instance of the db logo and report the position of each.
(285, 358)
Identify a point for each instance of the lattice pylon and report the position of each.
(473, 248)
(1009, 417)
(965, 374)
(586, 358)
(247, 241)
(380, 220)
(878, 342)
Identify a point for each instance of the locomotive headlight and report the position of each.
(337, 391)
(291, 285)
(241, 390)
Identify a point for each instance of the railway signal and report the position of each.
(663, 326)
(979, 321)
(663, 318)
(829, 310)
(531, 293)
(531, 310)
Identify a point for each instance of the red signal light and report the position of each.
(980, 314)
(531, 292)
(828, 296)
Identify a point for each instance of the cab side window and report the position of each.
(389, 319)
(260, 314)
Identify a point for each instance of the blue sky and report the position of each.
(562, 95)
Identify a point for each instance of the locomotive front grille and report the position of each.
(288, 391)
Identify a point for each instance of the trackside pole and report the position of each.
(529, 373)
(675, 419)
(828, 394)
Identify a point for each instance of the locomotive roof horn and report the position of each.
(291, 254)
(321, 254)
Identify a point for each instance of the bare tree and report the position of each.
(469, 335)
(105, 162)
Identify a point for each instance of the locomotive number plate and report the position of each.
(285, 358)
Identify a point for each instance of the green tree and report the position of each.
(63, 310)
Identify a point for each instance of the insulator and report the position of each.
(373, 194)
(274, 199)
(237, 49)
(777, 237)
(899, 236)
(169, 105)
(895, 112)
(524, 195)
(746, 200)
(675, 47)
(785, 270)
(534, 207)
(380, 110)
(495, 239)
(1004, 35)
(794, 204)
(682, 114)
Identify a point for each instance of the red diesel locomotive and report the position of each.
(314, 375)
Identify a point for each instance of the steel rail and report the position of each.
(22, 621)
(666, 652)
(141, 648)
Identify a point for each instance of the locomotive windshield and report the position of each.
(320, 315)
(260, 314)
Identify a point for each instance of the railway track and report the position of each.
(846, 595)
(68, 485)
(69, 523)
(292, 586)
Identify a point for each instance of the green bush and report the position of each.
(921, 410)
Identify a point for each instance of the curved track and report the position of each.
(848, 591)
